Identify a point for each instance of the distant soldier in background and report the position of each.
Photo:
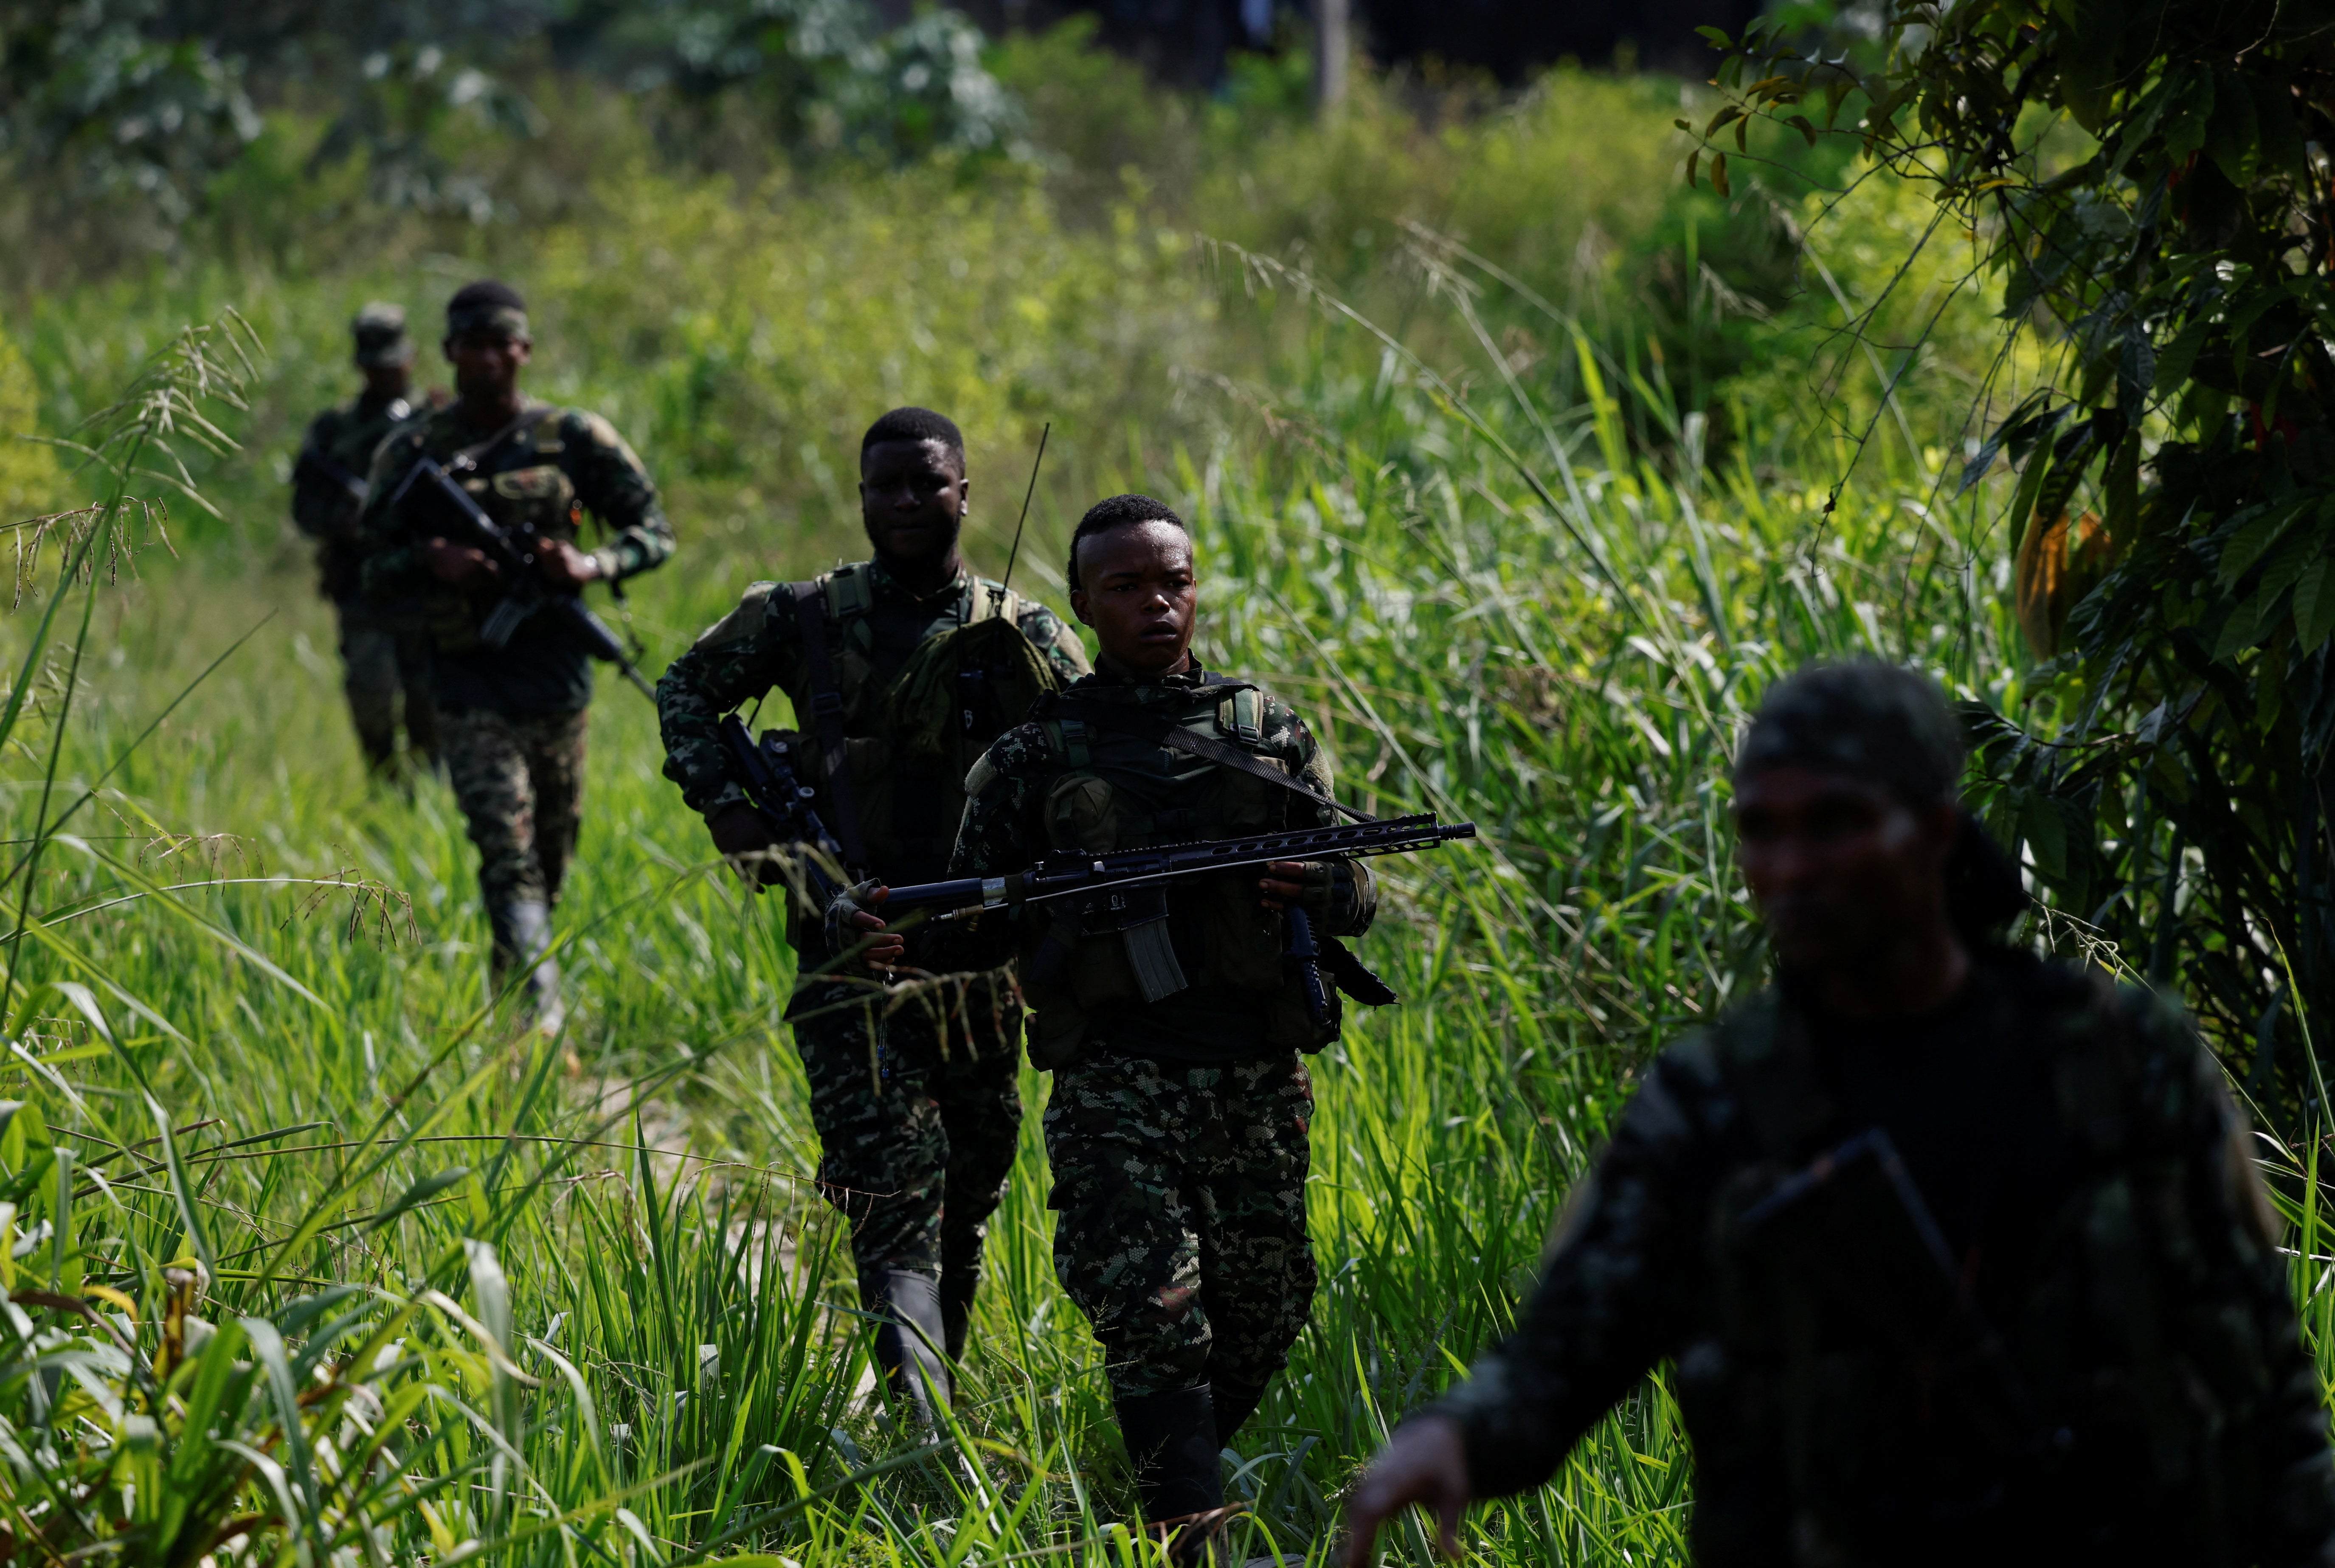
(513, 718)
(384, 652)
(904, 666)
(1960, 1257)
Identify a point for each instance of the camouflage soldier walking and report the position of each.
(1960, 1255)
(1178, 1125)
(513, 718)
(902, 668)
(385, 652)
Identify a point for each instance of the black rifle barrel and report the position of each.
(1068, 875)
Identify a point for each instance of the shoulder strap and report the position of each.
(826, 717)
(476, 449)
(1162, 732)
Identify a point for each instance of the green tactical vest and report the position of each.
(525, 489)
(1117, 791)
(909, 740)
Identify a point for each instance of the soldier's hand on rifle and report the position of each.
(451, 563)
(849, 919)
(1425, 1462)
(1287, 882)
(564, 564)
(744, 839)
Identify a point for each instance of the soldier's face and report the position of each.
(487, 364)
(1839, 867)
(913, 497)
(1137, 591)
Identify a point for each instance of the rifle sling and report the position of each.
(827, 716)
(1166, 732)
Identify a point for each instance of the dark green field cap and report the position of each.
(379, 332)
(1874, 722)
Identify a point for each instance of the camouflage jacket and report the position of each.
(2097, 1362)
(873, 627)
(1217, 986)
(328, 479)
(539, 475)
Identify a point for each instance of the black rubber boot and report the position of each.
(960, 1279)
(1172, 1440)
(910, 1339)
(522, 930)
(1236, 1403)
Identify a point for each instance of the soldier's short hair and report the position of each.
(915, 424)
(486, 305)
(1118, 512)
(1878, 723)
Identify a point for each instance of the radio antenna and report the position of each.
(1015, 552)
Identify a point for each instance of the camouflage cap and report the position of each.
(380, 330)
(1875, 721)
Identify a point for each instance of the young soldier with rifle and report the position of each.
(1959, 1256)
(1159, 849)
(384, 650)
(901, 669)
(475, 509)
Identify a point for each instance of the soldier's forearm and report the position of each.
(640, 546)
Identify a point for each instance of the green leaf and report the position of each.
(2286, 564)
(2314, 604)
(2173, 365)
(2251, 540)
(2185, 128)
(2233, 136)
(2245, 627)
(419, 1192)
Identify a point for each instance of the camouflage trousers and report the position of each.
(1181, 1190)
(918, 1116)
(380, 663)
(520, 780)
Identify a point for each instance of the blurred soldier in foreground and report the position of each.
(512, 717)
(1960, 1255)
(1177, 1126)
(384, 648)
(901, 669)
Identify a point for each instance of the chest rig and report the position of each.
(519, 479)
(892, 745)
(1115, 790)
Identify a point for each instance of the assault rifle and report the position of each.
(1090, 891)
(766, 771)
(529, 595)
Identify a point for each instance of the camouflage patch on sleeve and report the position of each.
(748, 620)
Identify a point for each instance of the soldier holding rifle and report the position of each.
(1172, 1006)
(476, 509)
(383, 652)
(900, 670)
(1959, 1256)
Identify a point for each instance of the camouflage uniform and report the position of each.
(2147, 1400)
(1177, 1126)
(384, 650)
(513, 718)
(918, 1116)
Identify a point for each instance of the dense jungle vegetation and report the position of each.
(1523, 440)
